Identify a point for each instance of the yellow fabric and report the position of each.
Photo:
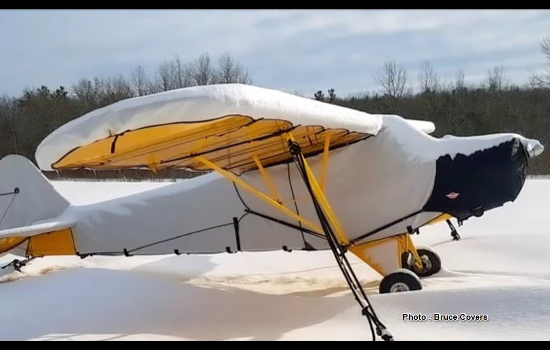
(325, 162)
(8, 243)
(228, 142)
(400, 243)
(364, 252)
(439, 219)
(54, 243)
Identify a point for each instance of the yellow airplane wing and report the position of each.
(225, 124)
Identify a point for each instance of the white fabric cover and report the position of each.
(369, 185)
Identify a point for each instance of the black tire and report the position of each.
(431, 262)
(400, 281)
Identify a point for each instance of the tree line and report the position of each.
(456, 107)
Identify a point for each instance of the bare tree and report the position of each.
(139, 80)
(392, 78)
(121, 87)
(202, 72)
(427, 78)
(115, 85)
(85, 91)
(181, 75)
(152, 87)
(174, 74)
(163, 77)
(543, 79)
(545, 45)
(171, 75)
(460, 84)
(496, 78)
(232, 72)
(102, 91)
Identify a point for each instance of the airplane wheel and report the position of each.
(402, 280)
(430, 260)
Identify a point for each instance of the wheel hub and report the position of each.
(399, 287)
(427, 264)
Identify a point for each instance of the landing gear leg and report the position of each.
(399, 262)
(430, 262)
(15, 265)
(454, 232)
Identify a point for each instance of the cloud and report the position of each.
(288, 50)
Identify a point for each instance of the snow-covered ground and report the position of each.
(500, 268)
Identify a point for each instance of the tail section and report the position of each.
(29, 204)
(26, 195)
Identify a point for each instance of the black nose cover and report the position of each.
(469, 185)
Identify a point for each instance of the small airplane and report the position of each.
(286, 172)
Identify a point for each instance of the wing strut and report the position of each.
(331, 228)
(330, 224)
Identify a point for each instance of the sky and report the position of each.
(293, 51)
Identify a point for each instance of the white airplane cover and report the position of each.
(384, 175)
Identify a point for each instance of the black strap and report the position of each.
(15, 191)
(355, 240)
(237, 236)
